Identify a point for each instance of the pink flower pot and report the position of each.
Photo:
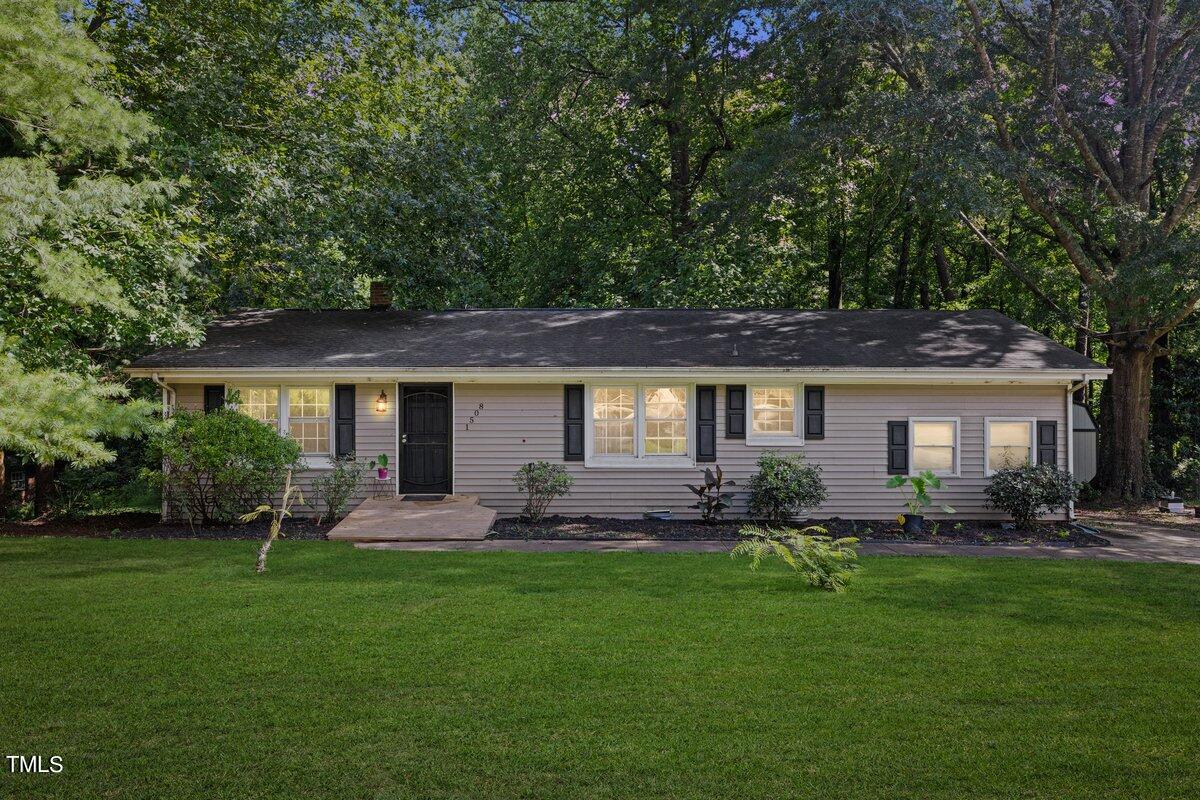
(383, 473)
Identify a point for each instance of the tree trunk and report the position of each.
(835, 246)
(43, 488)
(1083, 342)
(949, 293)
(901, 287)
(1124, 464)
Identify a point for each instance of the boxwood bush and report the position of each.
(220, 465)
(784, 486)
(1028, 491)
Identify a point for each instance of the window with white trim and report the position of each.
(666, 421)
(639, 424)
(1010, 443)
(774, 414)
(934, 446)
(309, 410)
(773, 410)
(613, 420)
(260, 403)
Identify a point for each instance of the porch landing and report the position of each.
(457, 517)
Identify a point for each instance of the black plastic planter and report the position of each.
(914, 523)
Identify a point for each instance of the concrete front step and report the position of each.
(454, 518)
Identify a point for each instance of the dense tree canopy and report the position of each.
(164, 159)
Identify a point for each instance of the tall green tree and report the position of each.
(607, 128)
(316, 142)
(93, 260)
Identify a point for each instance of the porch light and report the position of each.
(381, 402)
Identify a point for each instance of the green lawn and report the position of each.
(167, 670)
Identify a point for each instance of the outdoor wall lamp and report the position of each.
(381, 403)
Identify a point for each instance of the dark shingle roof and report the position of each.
(668, 337)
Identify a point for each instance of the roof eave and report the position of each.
(1028, 375)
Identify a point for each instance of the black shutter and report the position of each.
(735, 412)
(343, 400)
(814, 412)
(573, 423)
(214, 397)
(897, 447)
(1047, 443)
(706, 423)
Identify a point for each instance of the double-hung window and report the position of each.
(260, 403)
(302, 412)
(639, 424)
(934, 446)
(774, 415)
(1010, 443)
(308, 418)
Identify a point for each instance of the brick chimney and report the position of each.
(381, 296)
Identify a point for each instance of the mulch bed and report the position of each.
(963, 531)
(148, 526)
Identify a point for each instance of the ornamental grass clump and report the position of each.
(825, 562)
(1029, 491)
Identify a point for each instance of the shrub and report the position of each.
(541, 482)
(784, 486)
(1028, 491)
(713, 497)
(1186, 475)
(826, 563)
(220, 465)
(332, 490)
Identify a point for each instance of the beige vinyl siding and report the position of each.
(374, 433)
(520, 423)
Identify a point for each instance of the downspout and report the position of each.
(1070, 424)
(168, 394)
(168, 403)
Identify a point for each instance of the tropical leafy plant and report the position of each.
(916, 491)
(784, 486)
(1028, 491)
(291, 495)
(825, 562)
(332, 490)
(713, 499)
(541, 482)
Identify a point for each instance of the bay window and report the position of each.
(639, 425)
(934, 446)
(1010, 443)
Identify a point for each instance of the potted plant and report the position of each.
(917, 487)
(380, 465)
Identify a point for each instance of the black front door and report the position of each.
(425, 439)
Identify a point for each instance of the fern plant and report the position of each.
(825, 562)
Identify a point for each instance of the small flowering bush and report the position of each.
(1028, 491)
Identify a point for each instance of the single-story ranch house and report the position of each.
(636, 402)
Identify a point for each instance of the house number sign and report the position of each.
(474, 415)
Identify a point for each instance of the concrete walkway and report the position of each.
(1130, 542)
(392, 519)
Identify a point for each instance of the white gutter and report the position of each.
(1071, 389)
(560, 374)
(168, 394)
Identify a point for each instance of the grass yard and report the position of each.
(165, 669)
